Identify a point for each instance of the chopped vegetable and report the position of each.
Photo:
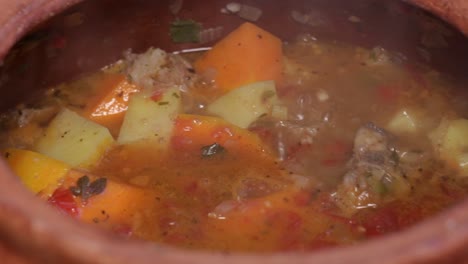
(109, 106)
(185, 31)
(405, 121)
(194, 132)
(250, 13)
(74, 140)
(233, 7)
(38, 172)
(63, 199)
(149, 121)
(245, 104)
(247, 12)
(248, 54)
(450, 140)
(112, 202)
(100, 201)
(86, 189)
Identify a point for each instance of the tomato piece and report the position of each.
(63, 199)
(383, 221)
(157, 95)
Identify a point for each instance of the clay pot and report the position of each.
(31, 232)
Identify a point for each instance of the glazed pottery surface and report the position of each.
(31, 232)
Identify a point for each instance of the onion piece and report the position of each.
(222, 209)
(233, 7)
(250, 13)
(247, 12)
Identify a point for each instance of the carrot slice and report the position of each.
(248, 54)
(117, 205)
(111, 103)
(38, 172)
(194, 131)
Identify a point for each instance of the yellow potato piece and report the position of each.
(404, 121)
(74, 140)
(244, 105)
(38, 172)
(450, 139)
(150, 120)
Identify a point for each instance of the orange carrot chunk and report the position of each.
(117, 204)
(109, 106)
(195, 131)
(248, 54)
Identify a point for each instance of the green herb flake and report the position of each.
(98, 186)
(211, 150)
(163, 103)
(185, 31)
(85, 188)
(381, 188)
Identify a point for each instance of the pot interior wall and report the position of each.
(95, 33)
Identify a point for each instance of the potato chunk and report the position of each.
(149, 119)
(245, 104)
(74, 140)
(405, 121)
(450, 140)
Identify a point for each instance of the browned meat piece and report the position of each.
(374, 175)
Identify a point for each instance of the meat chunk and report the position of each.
(374, 174)
(156, 69)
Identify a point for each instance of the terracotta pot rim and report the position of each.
(443, 235)
(446, 233)
(23, 15)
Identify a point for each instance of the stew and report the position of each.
(255, 145)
